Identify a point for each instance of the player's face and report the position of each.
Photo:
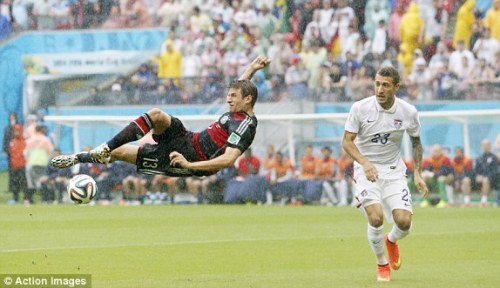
(237, 102)
(384, 91)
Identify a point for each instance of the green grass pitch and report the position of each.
(245, 246)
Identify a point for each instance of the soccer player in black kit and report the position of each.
(179, 152)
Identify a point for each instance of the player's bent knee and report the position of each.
(375, 220)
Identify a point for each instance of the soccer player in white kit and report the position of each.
(373, 136)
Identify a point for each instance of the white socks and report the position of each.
(376, 241)
(397, 234)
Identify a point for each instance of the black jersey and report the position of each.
(235, 130)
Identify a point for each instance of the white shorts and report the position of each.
(391, 194)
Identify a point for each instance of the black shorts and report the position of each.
(154, 158)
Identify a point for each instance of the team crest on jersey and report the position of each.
(234, 139)
(398, 123)
(224, 119)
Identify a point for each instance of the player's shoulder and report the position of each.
(364, 105)
(240, 116)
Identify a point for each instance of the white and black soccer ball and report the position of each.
(82, 189)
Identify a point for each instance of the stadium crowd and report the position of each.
(322, 50)
(320, 177)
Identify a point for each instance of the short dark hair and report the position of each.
(390, 72)
(247, 88)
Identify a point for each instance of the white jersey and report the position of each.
(380, 133)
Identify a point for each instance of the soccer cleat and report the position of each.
(64, 161)
(101, 154)
(442, 204)
(393, 252)
(424, 203)
(384, 273)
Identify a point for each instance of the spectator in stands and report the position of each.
(211, 61)
(462, 175)
(8, 134)
(281, 178)
(225, 10)
(482, 78)
(390, 58)
(308, 15)
(405, 57)
(376, 12)
(191, 63)
(17, 162)
(198, 187)
(326, 13)
(350, 43)
(59, 11)
(263, 86)
(436, 23)
(347, 16)
(487, 47)
(168, 12)
(487, 172)
(332, 82)
(312, 33)
(456, 61)
(419, 82)
(200, 22)
(5, 28)
(296, 78)
(115, 20)
(312, 58)
(245, 16)
(444, 81)
(465, 80)
(170, 64)
(308, 164)
(380, 39)
(463, 26)
(137, 14)
(268, 159)
(6, 19)
(82, 14)
(162, 183)
(361, 84)
(438, 174)
(395, 23)
(311, 186)
(492, 20)
(281, 53)
(482, 6)
(411, 29)
(133, 184)
(344, 182)
(38, 150)
(439, 59)
(327, 172)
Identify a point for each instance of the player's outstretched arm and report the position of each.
(223, 161)
(418, 151)
(258, 63)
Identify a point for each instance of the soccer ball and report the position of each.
(82, 189)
